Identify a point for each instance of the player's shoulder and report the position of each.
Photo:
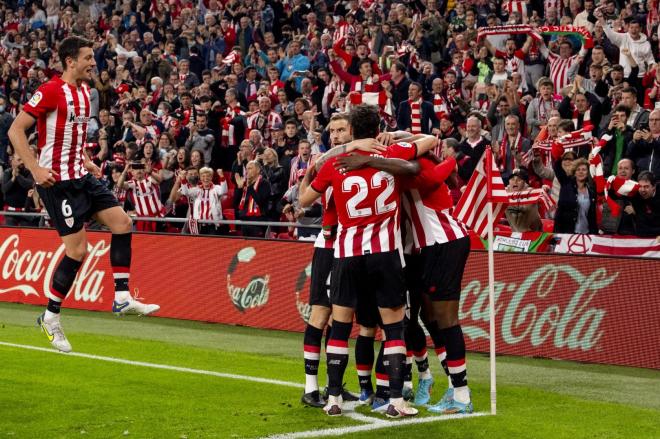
(47, 90)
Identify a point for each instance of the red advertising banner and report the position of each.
(593, 309)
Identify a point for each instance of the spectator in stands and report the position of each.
(417, 115)
(144, 193)
(509, 152)
(522, 217)
(300, 161)
(6, 120)
(644, 150)
(274, 174)
(618, 221)
(296, 214)
(622, 134)
(16, 183)
(201, 139)
(472, 148)
(205, 201)
(644, 208)
(639, 116)
(576, 207)
(253, 204)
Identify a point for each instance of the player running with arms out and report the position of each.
(68, 186)
(368, 263)
(443, 246)
(322, 261)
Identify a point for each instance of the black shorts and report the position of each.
(360, 282)
(444, 265)
(319, 292)
(71, 203)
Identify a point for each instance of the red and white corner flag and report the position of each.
(485, 185)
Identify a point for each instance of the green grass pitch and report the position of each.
(53, 395)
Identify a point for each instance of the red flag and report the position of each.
(485, 185)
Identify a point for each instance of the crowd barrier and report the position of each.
(583, 308)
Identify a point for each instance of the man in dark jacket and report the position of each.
(644, 149)
(617, 147)
(644, 208)
(415, 114)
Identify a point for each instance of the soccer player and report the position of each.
(322, 261)
(68, 186)
(368, 263)
(443, 245)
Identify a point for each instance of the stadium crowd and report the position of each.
(214, 109)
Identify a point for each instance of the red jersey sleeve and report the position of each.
(519, 54)
(44, 101)
(323, 179)
(401, 150)
(500, 54)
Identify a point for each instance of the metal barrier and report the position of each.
(176, 220)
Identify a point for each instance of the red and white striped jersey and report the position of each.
(62, 112)
(264, 123)
(426, 206)
(326, 239)
(367, 203)
(206, 203)
(145, 196)
(560, 67)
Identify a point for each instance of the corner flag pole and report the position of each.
(491, 281)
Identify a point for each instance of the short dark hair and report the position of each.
(291, 122)
(631, 90)
(401, 67)
(70, 48)
(566, 125)
(365, 121)
(622, 108)
(647, 176)
(364, 61)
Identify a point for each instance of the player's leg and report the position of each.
(75, 249)
(312, 354)
(382, 398)
(319, 300)
(386, 274)
(120, 225)
(364, 361)
(438, 343)
(337, 356)
(416, 344)
(347, 279)
(444, 292)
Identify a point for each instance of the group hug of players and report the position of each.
(390, 253)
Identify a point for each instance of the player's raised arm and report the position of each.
(22, 123)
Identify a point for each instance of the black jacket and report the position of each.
(567, 205)
(646, 155)
(427, 117)
(473, 156)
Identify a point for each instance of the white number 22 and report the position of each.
(363, 187)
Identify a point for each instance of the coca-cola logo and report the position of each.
(303, 307)
(530, 315)
(255, 293)
(29, 272)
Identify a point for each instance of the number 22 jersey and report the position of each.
(367, 202)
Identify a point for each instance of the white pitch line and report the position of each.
(371, 427)
(159, 366)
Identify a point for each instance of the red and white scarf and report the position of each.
(544, 114)
(586, 118)
(533, 196)
(576, 139)
(252, 206)
(439, 106)
(415, 116)
(227, 128)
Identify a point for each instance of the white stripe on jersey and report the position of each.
(82, 136)
(67, 139)
(432, 226)
(46, 156)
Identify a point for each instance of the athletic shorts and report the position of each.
(359, 282)
(71, 203)
(444, 265)
(322, 261)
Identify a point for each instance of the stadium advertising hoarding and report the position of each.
(584, 308)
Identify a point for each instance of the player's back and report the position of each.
(367, 203)
(62, 112)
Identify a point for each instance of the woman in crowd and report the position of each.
(576, 208)
(275, 175)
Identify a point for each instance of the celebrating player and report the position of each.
(68, 186)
